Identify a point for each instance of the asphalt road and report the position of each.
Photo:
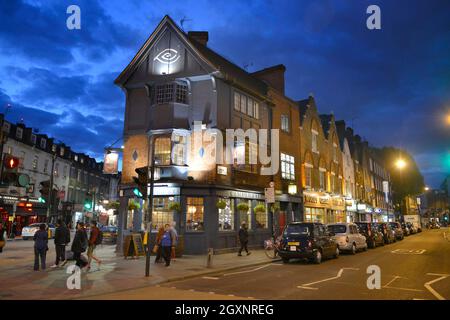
(416, 268)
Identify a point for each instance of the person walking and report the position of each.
(2, 237)
(40, 247)
(159, 237)
(243, 239)
(167, 244)
(79, 245)
(94, 239)
(62, 239)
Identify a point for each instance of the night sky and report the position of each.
(392, 85)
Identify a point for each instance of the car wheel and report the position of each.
(353, 249)
(285, 260)
(317, 257)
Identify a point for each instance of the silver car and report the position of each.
(29, 231)
(347, 237)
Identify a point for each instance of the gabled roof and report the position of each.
(228, 70)
(303, 106)
(326, 120)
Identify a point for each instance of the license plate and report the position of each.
(293, 248)
(293, 243)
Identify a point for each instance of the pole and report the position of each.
(150, 206)
(50, 192)
(2, 137)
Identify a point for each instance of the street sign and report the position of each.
(269, 194)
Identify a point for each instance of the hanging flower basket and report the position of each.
(221, 204)
(242, 206)
(275, 207)
(260, 208)
(113, 205)
(133, 205)
(175, 206)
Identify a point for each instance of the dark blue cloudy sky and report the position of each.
(392, 84)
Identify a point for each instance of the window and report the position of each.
(335, 152)
(308, 175)
(179, 148)
(19, 133)
(56, 172)
(54, 148)
(35, 162)
(33, 139)
(162, 151)
(226, 215)
(194, 214)
(287, 167)
(65, 172)
(244, 216)
(61, 151)
(6, 127)
(333, 182)
(79, 175)
(322, 179)
(75, 157)
(261, 218)
(161, 214)
(243, 151)
(314, 135)
(285, 123)
(82, 160)
(256, 109)
(43, 143)
(9, 150)
(314, 215)
(46, 165)
(237, 101)
(171, 92)
(250, 108)
(246, 105)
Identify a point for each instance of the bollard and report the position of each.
(209, 257)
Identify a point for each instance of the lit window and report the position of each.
(171, 92)
(61, 152)
(314, 141)
(56, 173)
(43, 143)
(179, 147)
(75, 157)
(237, 101)
(161, 214)
(335, 152)
(19, 133)
(287, 167)
(244, 216)
(308, 175)
(322, 179)
(54, 148)
(250, 107)
(162, 151)
(226, 215)
(284, 123)
(33, 139)
(243, 104)
(194, 214)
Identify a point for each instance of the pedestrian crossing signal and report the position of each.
(11, 162)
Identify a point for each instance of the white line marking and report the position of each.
(387, 285)
(211, 292)
(247, 271)
(327, 279)
(309, 288)
(406, 251)
(429, 283)
(231, 295)
(210, 278)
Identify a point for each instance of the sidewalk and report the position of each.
(19, 281)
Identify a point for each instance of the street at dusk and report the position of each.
(237, 158)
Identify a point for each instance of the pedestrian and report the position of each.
(167, 244)
(243, 239)
(159, 237)
(62, 239)
(175, 240)
(13, 231)
(94, 239)
(79, 245)
(2, 237)
(40, 247)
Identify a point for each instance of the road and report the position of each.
(416, 268)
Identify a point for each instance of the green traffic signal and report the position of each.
(87, 205)
(41, 200)
(137, 192)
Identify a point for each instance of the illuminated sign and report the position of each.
(167, 56)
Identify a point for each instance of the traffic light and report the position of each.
(10, 164)
(45, 189)
(88, 202)
(141, 181)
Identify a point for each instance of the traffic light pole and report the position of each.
(150, 206)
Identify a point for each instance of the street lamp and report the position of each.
(400, 164)
(427, 188)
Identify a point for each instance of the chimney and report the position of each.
(273, 76)
(199, 36)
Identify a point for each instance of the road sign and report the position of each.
(269, 194)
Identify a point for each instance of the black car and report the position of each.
(312, 241)
(396, 226)
(373, 235)
(388, 233)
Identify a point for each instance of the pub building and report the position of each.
(175, 82)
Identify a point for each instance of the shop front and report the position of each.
(323, 208)
(351, 210)
(365, 212)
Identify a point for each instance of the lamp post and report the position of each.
(150, 203)
(8, 107)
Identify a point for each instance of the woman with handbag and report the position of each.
(40, 247)
(157, 248)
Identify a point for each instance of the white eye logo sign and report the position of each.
(168, 56)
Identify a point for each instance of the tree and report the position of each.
(407, 181)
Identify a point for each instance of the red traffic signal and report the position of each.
(11, 162)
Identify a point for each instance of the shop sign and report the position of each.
(361, 207)
(111, 162)
(222, 170)
(269, 194)
(166, 191)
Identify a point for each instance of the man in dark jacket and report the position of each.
(40, 247)
(243, 239)
(62, 239)
(79, 245)
(94, 236)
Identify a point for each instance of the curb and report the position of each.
(180, 278)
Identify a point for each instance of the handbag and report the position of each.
(155, 248)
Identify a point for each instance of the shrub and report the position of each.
(242, 206)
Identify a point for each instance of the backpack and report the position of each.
(99, 239)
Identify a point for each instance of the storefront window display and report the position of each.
(245, 216)
(161, 214)
(195, 214)
(226, 215)
(340, 216)
(314, 215)
(260, 217)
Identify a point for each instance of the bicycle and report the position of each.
(272, 246)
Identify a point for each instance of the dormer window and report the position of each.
(6, 127)
(43, 143)
(75, 158)
(171, 92)
(33, 139)
(19, 133)
(54, 148)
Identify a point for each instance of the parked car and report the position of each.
(434, 225)
(388, 233)
(397, 227)
(374, 237)
(405, 228)
(29, 231)
(411, 227)
(312, 241)
(347, 237)
(109, 234)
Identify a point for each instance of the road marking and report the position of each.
(387, 285)
(339, 274)
(210, 278)
(405, 251)
(247, 271)
(308, 288)
(211, 292)
(429, 283)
